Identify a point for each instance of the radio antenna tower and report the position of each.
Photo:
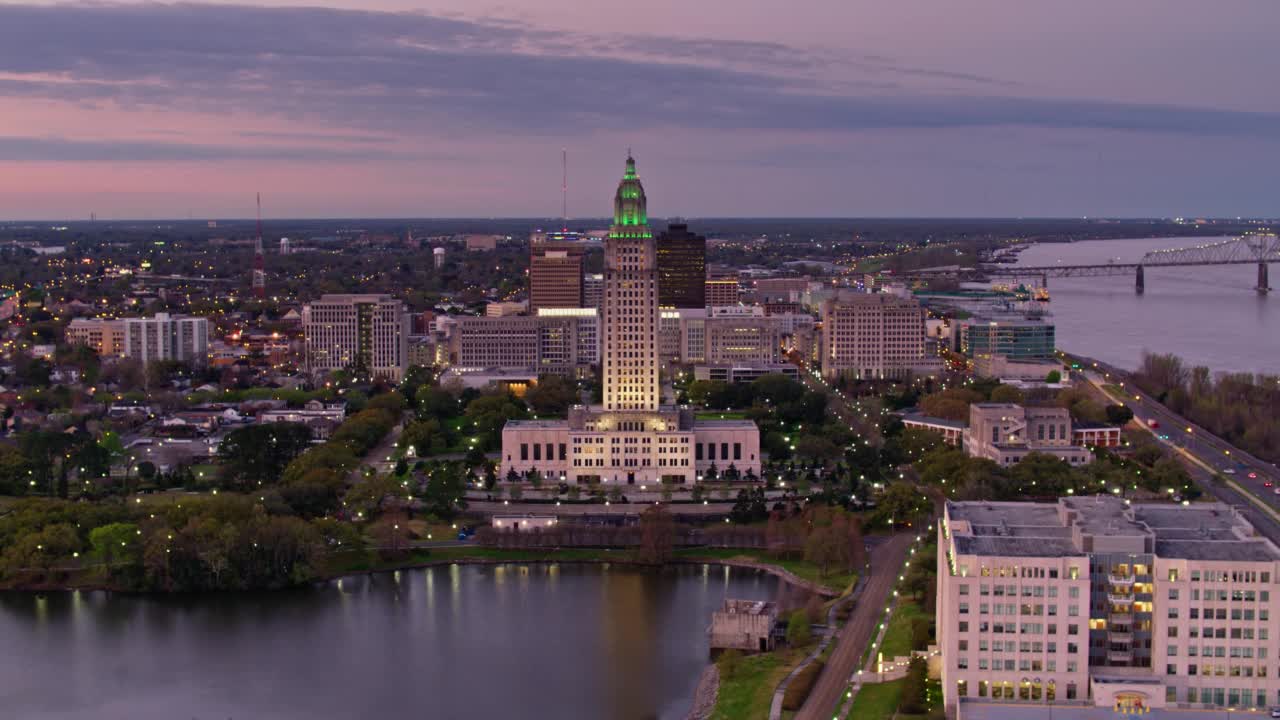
(564, 188)
(259, 268)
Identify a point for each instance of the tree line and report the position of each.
(1241, 408)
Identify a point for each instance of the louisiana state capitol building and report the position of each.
(632, 438)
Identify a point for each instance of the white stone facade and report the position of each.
(1094, 599)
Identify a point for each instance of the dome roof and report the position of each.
(630, 210)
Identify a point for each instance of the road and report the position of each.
(1204, 454)
(886, 565)
(377, 457)
(848, 411)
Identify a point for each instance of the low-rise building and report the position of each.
(523, 523)
(1005, 433)
(321, 417)
(106, 337)
(743, 625)
(952, 431)
(1005, 368)
(744, 373)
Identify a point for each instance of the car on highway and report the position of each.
(1267, 484)
(1253, 476)
(1153, 423)
(1230, 471)
(1276, 491)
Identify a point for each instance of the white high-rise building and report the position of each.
(367, 333)
(630, 305)
(179, 338)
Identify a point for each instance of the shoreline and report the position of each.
(781, 573)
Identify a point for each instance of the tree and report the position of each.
(258, 454)
(799, 631)
(914, 686)
(1118, 414)
(951, 404)
(826, 547)
(551, 395)
(1008, 394)
(118, 546)
(657, 535)
(490, 412)
(1054, 377)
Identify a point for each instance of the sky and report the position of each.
(754, 108)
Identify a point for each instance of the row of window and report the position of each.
(1012, 609)
(1222, 613)
(709, 453)
(1222, 595)
(1220, 670)
(1012, 628)
(1027, 590)
(1219, 651)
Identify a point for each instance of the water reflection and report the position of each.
(565, 641)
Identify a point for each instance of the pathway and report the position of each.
(886, 565)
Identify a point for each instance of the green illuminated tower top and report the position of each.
(630, 215)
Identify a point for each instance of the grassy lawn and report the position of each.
(749, 693)
(877, 701)
(726, 415)
(897, 637)
(837, 580)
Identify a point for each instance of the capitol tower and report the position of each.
(632, 439)
(630, 303)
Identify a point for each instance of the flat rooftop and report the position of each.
(1016, 529)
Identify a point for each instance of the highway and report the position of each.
(1204, 454)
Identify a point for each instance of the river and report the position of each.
(1208, 315)
(510, 641)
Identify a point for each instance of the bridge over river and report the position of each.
(1245, 250)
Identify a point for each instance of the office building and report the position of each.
(555, 273)
(682, 268)
(593, 290)
(631, 439)
(106, 337)
(873, 336)
(363, 333)
(1129, 607)
(1005, 433)
(735, 335)
(557, 344)
(1014, 336)
(722, 291)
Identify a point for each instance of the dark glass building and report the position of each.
(682, 268)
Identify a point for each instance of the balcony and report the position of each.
(1121, 618)
(1123, 657)
(1120, 637)
(1120, 580)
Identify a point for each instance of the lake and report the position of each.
(509, 641)
(1208, 315)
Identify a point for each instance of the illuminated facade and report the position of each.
(632, 439)
(1133, 606)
